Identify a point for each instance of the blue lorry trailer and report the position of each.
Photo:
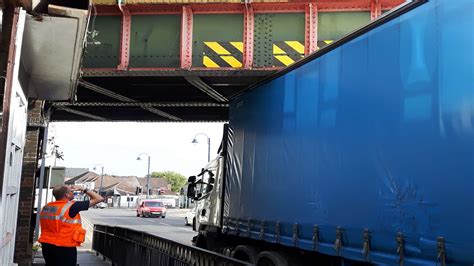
(362, 151)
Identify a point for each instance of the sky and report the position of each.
(116, 146)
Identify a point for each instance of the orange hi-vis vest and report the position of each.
(58, 228)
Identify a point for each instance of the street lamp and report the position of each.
(195, 141)
(148, 175)
(101, 176)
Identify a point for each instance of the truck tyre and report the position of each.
(227, 251)
(245, 253)
(201, 241)
(271, 258)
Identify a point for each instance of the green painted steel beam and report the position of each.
(155, 41)
(335, 25)
(103, 44)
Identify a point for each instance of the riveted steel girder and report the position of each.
(190, 36)
(170, 46)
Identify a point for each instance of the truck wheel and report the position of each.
(271, 258)
(138, 215)
(245, 253)
(227, 251)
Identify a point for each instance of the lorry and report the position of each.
(361, 153)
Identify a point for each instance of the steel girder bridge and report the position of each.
(182, 60)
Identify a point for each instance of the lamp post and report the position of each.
(101, 177)
(148, 175)
(208, 144)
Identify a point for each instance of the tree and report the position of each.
(176, 180)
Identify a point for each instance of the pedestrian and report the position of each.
(61, 229)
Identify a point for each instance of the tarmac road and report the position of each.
(172, 227)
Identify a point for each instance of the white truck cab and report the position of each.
(206, 189)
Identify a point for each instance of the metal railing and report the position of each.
(124, 246)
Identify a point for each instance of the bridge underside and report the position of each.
(156, 96)
(182, 62)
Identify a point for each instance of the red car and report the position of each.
(151, 208)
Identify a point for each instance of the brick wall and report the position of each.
(25, 224)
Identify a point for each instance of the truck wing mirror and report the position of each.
(191, 191)
(202, 172)
(192, 179)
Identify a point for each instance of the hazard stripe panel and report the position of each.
(284, 59)
(232, 61)
(207, 62)
(277, 50)
(286, 53)
(238, 45)
(297, 46)
(324, 43)
(223, 54)
(216, 47)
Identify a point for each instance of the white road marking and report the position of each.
(185, 229)
(164, 224)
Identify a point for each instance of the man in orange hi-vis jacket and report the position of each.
(61, 229)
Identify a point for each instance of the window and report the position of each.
(153, 204)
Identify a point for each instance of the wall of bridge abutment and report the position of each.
(163, 34)
(25, 224)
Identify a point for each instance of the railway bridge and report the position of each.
(139, 60)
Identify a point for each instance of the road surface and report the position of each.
(172, 227)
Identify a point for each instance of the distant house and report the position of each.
(72, 172)
(158, 186)
(121, 185)
(87, 180)
(118, 185)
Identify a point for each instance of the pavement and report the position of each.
(171, 227)
(85, 256)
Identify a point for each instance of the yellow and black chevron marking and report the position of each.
(286, 53)
(223, 54)
(324, 43)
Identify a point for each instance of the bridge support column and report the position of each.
(311, 29)
(248, 36)
(125, 38)
(187, 38)
(375, 9)
(26, 221)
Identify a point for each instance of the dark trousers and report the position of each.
(59, 256)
